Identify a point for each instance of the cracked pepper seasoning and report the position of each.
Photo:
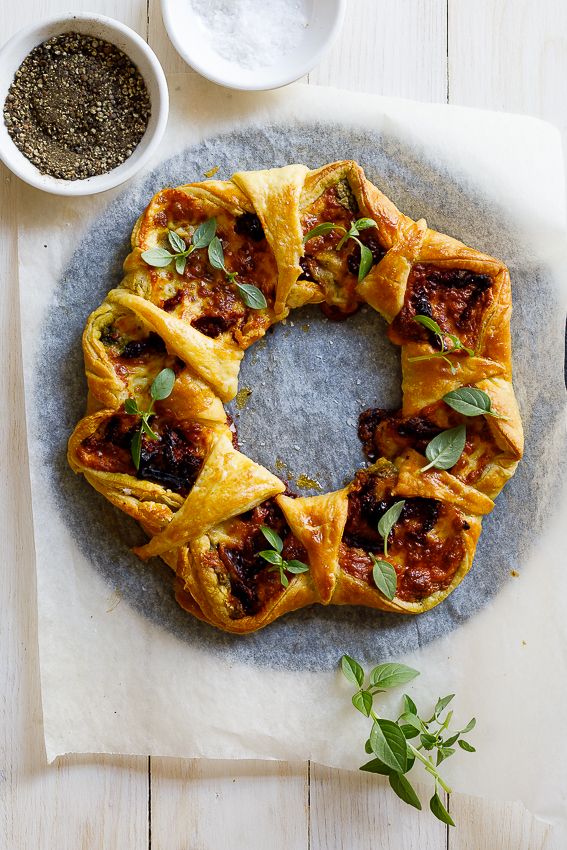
(77, 107)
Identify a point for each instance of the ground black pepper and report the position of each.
(77, 107)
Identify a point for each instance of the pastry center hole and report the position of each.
(302, 388)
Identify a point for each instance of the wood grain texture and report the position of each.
(496, 826)
(390, 47)
(246, 805)
(501, 54)
(356, 811)
(506, 55)
(79, 803)
(510, 55)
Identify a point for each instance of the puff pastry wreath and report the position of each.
(200, 500)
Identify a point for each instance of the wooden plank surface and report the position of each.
(81, 802)
(503, 54)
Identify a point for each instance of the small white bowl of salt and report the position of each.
(252, 44)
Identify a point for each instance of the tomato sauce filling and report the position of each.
(425, 546)
(239, 566)
(202, 294)
(388, 434)
(455, 298)
(174, 460)
(336, 271)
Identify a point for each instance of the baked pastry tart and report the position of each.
(213, 265)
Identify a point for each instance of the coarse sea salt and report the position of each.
(252, 33)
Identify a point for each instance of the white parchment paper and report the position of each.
(123, 670)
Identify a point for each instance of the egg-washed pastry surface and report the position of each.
(213, 265)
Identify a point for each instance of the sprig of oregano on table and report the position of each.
(274, 557)
(204, 236)
(352, 233)
(161, 388)
(390, 741)
(445, 352)
(383, 573)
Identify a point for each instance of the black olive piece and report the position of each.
(353, 259)
(153, 343)
(213, 326)
(250, 225)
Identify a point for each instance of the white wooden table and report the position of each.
(498, 54)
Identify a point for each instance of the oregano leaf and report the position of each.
(296, 567)
(362, 701)
(271, 557)
(364, 223)
(272, 537)
(403, 788)
(352, 670)
(204, 233)
(444, 450)
(470, 725)
(389, 744)
(388, 520)
(216, 253)
(176, 242)
(409, 705)
(464, 745)
(470, 401)
(321, 230)
(440, 811)
(444, 753)
(158, 257)
(131, 407)
(376, 765)
(408, 730)
(136, 448)
(442, 704)
(365, 262)
(429, 323)
(145, 426)
(390, 675)
(162, 384)
(385, 577)
(252, 296)
(180, 263)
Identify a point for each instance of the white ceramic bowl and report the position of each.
(186, 31)
(15, 51)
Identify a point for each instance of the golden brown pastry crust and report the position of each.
(196, 324)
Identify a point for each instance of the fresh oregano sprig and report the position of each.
(204, 236)
(251, 295)
(390, 740)
(445, 352)
(383, 573)
(161, 388)
(274, 557)
(444, 450)
(201, 238)
(352, 233)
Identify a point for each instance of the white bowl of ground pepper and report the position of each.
(84, 101)
(253, 44)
